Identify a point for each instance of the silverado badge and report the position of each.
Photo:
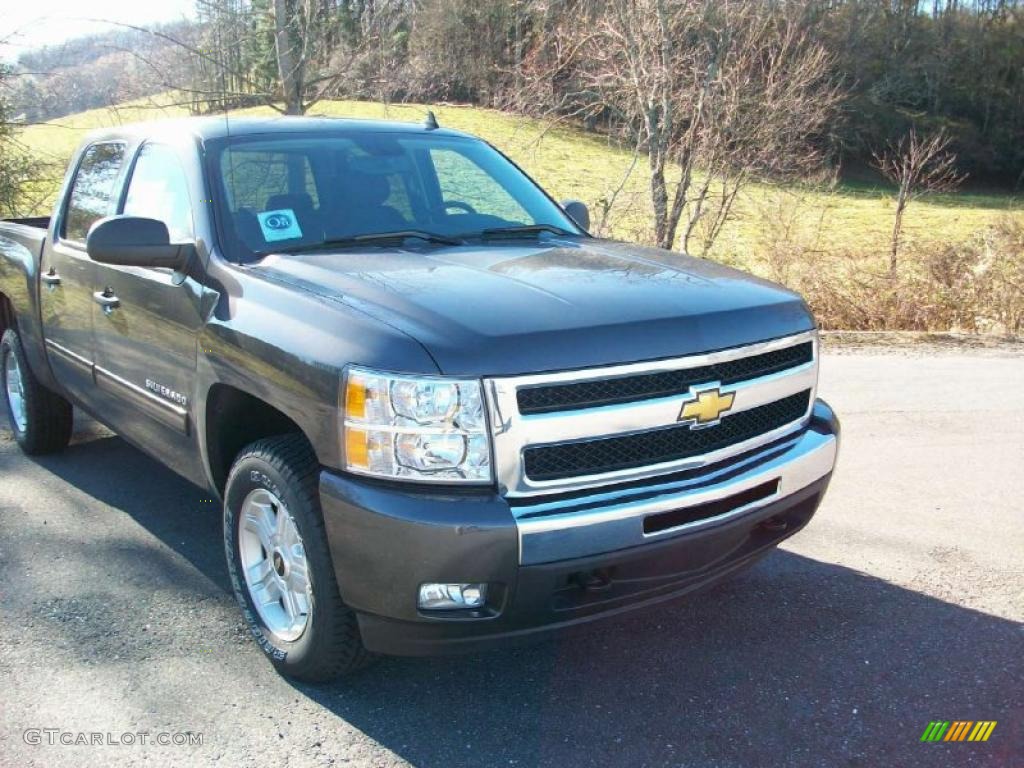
(705, 407)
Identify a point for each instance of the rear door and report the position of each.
(67, 273)
(146, 341)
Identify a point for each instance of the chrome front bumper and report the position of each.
(538, 555)
(553, 530)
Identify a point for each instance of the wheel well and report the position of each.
(233, 420)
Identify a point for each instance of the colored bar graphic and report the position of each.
(935, 730)
(958, 730)
(954, 731)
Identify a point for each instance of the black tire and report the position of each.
(48, 416)
(329, 646)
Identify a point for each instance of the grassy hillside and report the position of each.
(570, 163)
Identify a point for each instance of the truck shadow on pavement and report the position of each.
(795, 661)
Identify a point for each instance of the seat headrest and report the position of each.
(299, 202)
(367, 189)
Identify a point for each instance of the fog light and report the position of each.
(448, 597)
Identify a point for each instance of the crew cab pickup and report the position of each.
(439, 414)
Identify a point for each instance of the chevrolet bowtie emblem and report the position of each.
(705, 407)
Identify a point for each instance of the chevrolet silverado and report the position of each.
(439, 414)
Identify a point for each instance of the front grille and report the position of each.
(610, 454)
(547, 398)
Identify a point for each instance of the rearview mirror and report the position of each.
(578, 212)
(133, 241)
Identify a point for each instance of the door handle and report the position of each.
(107, 300)
(51, 277)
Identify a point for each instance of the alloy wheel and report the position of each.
(273, 561)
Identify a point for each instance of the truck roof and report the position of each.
(220, 126)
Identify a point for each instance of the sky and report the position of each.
(26, 24)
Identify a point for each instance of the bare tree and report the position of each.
(286, 54)
(918, 166)
(716, 93)
(288, 46)
(306, 43)
(21, 171)
(377, 50)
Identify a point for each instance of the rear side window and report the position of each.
(93, 193)
(159, 190)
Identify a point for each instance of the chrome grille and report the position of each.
(546, 398)
(583, 445)
(608, 454)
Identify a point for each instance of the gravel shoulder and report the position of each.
(921, 344)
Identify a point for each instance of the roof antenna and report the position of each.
(430, 123)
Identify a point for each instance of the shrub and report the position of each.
(976, 285)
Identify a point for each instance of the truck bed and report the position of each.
(36, 222)
(21, 247)
(21, 242)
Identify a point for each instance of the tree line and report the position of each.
(927, 65)
(954, 65)
(95, 71)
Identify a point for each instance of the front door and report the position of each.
(147, 328)
(67, 273)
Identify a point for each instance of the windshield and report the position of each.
(291, 192)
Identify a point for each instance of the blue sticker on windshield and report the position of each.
(279, 225)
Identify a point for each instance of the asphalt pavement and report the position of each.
(901, 603)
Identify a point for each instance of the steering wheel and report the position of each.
(460, 205)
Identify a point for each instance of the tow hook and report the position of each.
(774, 525)
(594, 581)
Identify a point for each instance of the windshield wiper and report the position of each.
(345, 242)
(430, 237)
(526, 229)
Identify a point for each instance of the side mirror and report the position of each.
(578, 212)
(132, 241)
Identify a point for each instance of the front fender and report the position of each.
(288, 347)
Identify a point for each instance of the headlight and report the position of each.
(429, 429)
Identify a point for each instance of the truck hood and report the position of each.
(502, 309)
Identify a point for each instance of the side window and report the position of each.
(398, 198)
(93, 192)
(158, 189)
(462, 180)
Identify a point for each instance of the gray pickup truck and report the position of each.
(439, 414)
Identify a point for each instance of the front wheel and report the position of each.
(280, 564)
(41, 420)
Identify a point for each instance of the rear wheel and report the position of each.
(280, 564)
(41, 420)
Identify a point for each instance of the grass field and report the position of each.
(854, 219)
